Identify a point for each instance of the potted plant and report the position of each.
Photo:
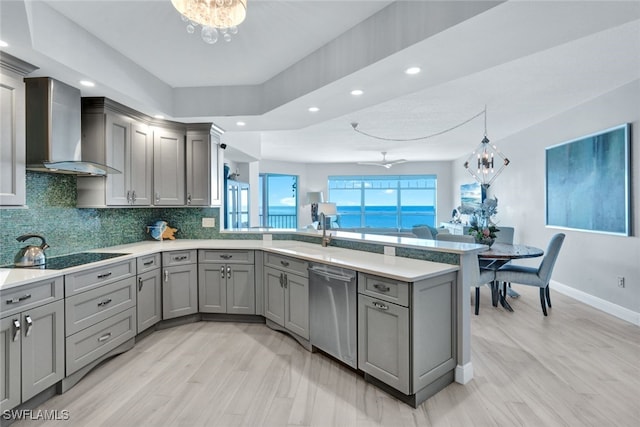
(481, 227)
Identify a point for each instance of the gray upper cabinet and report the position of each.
(12, 130)
(129, 148)
(169, 168)
(198, 167)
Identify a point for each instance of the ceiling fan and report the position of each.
(384, 163)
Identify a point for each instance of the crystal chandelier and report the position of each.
(485, 155)
(216, 17)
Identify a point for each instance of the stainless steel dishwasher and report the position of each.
(332, 293)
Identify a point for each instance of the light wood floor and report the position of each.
(577, 367)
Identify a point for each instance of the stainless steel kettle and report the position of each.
(32, 255)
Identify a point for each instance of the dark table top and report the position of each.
(506, 251)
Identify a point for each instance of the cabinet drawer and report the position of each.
(99, 339)
(91, 307)
(148, 263)
(89, 279)
(32, 295)
(285, 263)
(223, 257)
(179, 258)
(383, 288)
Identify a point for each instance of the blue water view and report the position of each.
(374, 216)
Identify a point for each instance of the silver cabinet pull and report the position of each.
(281, 280)
(166, 275)
(17, 300)
(129, 197)
(16, 329)
(228, 272)
(180, 258)
(222, 272)
(104, 275)
(188, 198)
(381, 287)
(157, 197)
(284, 263)
(105, 337)
(380, 305)
(148, 263)
(104, 302)
(140, 283)
(226, 256)
(29, 322)
(286, 280)
(133, 196)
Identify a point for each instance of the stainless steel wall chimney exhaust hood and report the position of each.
(53, 129)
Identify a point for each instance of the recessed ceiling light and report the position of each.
(159, 116)
(87, 83)
(314, 109)
(3, 43)
(357, 92)
(412, 70)
(241, 124)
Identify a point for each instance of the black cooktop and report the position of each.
(72, 260)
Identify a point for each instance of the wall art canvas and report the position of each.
(472, 194)
(587, 182)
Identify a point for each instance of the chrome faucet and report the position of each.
(325, 239)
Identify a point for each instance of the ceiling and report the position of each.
(526, 61)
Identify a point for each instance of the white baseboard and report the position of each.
(464, 373)
(595, 302)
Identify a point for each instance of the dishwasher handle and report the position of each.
(330, 274)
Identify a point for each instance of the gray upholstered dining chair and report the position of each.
(485, 276)
(532, 276)
(505, 235)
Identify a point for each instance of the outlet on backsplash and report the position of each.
(208, 222)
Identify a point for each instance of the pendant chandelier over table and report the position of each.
(216, 17)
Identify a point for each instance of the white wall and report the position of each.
(588, 262)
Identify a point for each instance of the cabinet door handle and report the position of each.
(166, 275)
(180, 258)
(29, 322)
(380, 305)
(104, 275)
(286, 280)
(381, 287)
(284, 263)
(226, 256)
(16, 329)
(148, 263)
(105, 337)
(228, 272)
(17, 300)
(157, 197)
(104, 302)
(281, 280)
(222, 272)
(140, 283)
(188, 198)
(128, 197)
(133, 196)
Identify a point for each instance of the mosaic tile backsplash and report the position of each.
(51, 212)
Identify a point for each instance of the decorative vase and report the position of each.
(485, 240)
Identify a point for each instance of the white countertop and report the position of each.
(399, 268)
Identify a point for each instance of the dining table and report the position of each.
(500, 254)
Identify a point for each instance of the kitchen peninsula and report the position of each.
(454, 270)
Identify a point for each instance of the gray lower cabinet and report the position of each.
(179, 284)
(226, 282)
(406, 333)
(286, 298)
(32, 353)
(149, 299)
(31, 340)
(100, 312)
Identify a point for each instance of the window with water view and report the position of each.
(385, 201)
(278, 205)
